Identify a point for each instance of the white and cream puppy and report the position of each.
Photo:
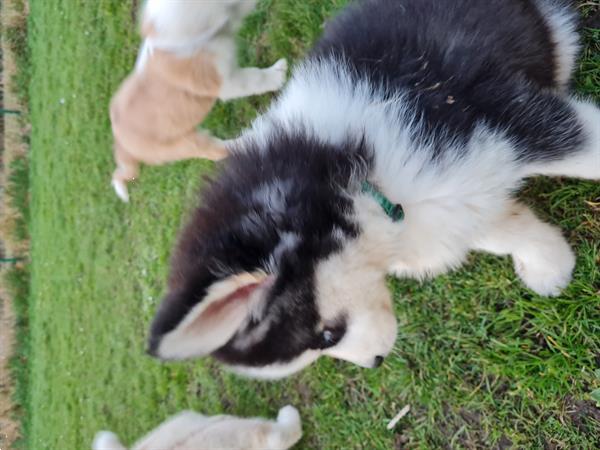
(190, 430)
(186, 63)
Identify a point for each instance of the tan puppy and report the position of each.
(186, 63)
(191, 431)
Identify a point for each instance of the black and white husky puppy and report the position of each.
(442, 107)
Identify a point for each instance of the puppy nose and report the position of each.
(378, 361)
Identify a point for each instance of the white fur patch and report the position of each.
(351, 284)
(287, 241)
(120, 188)
(144, 55)
(183, 25)
(105, 440)
(194, 431)
(563, 29)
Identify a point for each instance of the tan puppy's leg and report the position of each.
(127, 170)
(193, 145)
(252, 81)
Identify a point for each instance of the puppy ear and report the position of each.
(213, 321)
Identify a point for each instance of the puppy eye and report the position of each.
(329, 338)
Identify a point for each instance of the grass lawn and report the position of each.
(482, 361)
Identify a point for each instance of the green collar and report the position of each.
(393, 210)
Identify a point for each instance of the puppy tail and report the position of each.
(105, 440)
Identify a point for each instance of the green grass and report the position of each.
(16, 35)
(16, 280)
(482, 361)
(17, 193)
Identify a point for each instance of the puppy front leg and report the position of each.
(541, 255)
(253, 81)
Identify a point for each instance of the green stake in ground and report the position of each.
(393, 210)
(10, 260)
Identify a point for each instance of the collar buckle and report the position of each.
(393, 210)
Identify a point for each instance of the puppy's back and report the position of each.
(167, 98)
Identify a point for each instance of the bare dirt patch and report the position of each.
(13, 145)
(12, 12)
(584, 414)
(9, 429)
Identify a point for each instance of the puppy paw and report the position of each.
(288, 430)
(277, 74)
(288, 415)
(546, 267)
(105, 440)
(120, 188)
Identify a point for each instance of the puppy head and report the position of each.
(267, 275)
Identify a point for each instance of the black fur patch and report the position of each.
(459, 63)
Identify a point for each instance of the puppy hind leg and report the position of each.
(542, 257)
(584, 161)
